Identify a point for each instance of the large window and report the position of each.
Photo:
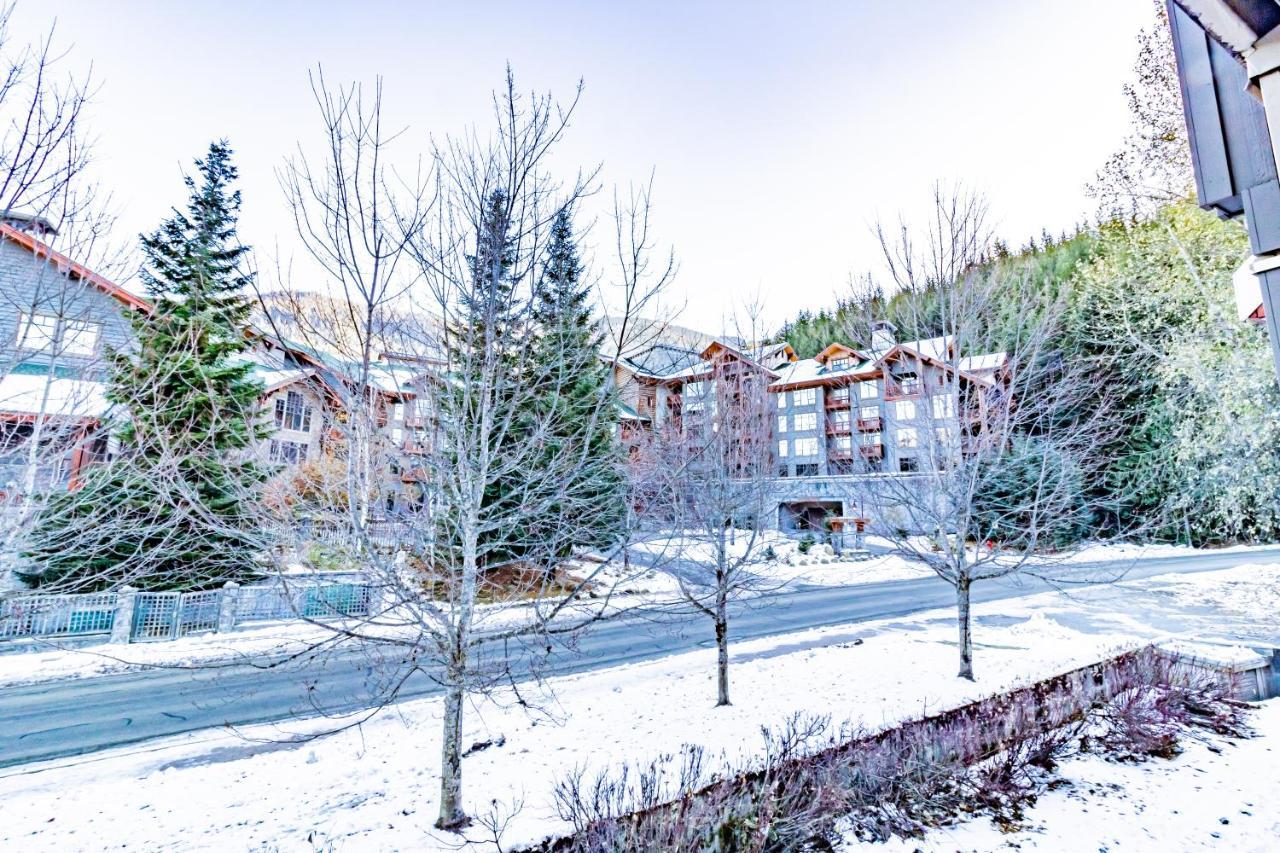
(782, 399)
(806, 446)
(868, 390)
(908, 438)
(807, 470)
(288, 452)
(782, 448)
(782, 423)
(805, 421)
(840, 418)
(869, 413)
(293, 413)
(840, 394)
(904, 410)
(45, 333)
(843, 443)
(944, 406)
(840, 363)
(804, 397)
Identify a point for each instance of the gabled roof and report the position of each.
(68, 267)
(837, 350)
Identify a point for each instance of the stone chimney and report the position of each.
(883, 335)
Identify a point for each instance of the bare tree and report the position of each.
(1153, 164)
(705, 474)
(472, 567)
(55, 310)
(993, 455)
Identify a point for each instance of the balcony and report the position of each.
(872, 451)
(869, 424)
(835, 427)
(840, 452)
(833, 402)
(901, 390)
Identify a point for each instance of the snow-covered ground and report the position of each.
(1219, 794)
(375, 787)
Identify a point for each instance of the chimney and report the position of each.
(883, 335)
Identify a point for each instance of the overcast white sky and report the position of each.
(778, 132)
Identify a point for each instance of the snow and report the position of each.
(36, 394)
(375, 786)
(1219, 794)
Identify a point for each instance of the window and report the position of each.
(841, 394)
(839, 363)
(807, 470)
(944, 406)
(868, 390)
(906, 464)
(909, 383)
(44, 333)
(288, 452)
(782, 400)
(397, 412)
(869, 413)
(782, 471)
(782, 423)
(943, 435)
(805, 421)
(804, 397)
(840, 418)
(871, 439)
(397, 436)
(293, 413)
(695, 389)
(843, 442)
(908, 438)
(782, 448)
(904, 410)
(806, 446)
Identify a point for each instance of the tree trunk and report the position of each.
(963, 620)
(722, 650)
(451, 814)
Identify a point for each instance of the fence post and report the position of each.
(122, 623)
(227, 606)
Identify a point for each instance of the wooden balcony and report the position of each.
(838, 427)
(894, 390)
(872, 451)
(869, 424)
(838, 452)
(836, 402)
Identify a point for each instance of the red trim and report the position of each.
(69, 267)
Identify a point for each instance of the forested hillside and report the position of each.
(1146, 299)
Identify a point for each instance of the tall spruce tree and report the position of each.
(173, 511)
(577, 402)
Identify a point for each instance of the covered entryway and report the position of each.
(808, 515)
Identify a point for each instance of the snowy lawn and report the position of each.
(375, 787)
(1219, 794)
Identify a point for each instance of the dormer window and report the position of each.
(842, 363)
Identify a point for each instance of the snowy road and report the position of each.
(80, 716)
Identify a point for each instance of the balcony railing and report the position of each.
(833, 402)
(872, 451)
(869, 424)
(835, 427)
(837, 451)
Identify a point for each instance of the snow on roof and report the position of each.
(983, 363)
(26, 394)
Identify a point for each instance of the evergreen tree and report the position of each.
(577, 404)
(174, 510)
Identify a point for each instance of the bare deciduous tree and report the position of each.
(996, 436)
(473, 571)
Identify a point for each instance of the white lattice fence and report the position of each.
(57, 615)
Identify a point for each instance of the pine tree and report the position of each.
(577, 404)
(174, 510)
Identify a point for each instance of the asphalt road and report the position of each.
(74, 717)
